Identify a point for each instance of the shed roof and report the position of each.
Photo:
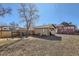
(46, 26)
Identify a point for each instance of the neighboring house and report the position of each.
(8, 31)
(5, 31)
(45, 29)
(70, 29)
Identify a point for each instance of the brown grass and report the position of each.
(69, 45)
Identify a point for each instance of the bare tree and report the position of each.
(29, 14)
(66, 23)
(4, 11)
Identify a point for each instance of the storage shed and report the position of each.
(45, 29)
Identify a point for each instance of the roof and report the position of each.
(46, 26)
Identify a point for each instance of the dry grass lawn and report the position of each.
(69, 45)
(5, 42)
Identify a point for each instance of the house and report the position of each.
(49, 29)
(62, 29)
(5, 31)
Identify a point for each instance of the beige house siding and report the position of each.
(42, 31)
(45, 30)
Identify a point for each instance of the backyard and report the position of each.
(33, 46)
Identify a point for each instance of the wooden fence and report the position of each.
(4, 34)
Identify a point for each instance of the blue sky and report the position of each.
(50, 13)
